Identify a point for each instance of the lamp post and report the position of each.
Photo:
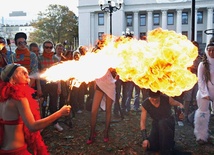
(110, 9)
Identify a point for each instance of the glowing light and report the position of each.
(160, 63)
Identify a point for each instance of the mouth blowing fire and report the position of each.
(160, 63)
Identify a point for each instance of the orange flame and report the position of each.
(160, 63)
(1, 46)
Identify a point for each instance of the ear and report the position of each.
(12, 81)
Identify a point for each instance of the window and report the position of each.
(199, 17)
(100, 18)
(156, 19)
(185, 33)
(129, 20)
(142, 20)
(100, 35)
(170, 18)
(199, 36)
(184, 17)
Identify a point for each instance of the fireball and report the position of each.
(160, 63)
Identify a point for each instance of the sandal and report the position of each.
(90, 141)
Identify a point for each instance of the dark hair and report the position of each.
(154, 94)
(20, 35)
(195, 43)
(2, 38)
(210, 44)
(33, 45)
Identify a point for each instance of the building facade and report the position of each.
(143, 16)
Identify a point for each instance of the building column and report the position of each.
(209, 22)
(136, 24)
(179, 21)
(164, 19)
(149, 21)
(91, 42)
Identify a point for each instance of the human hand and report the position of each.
(145, 145)
(181, 106)
(181, 116)
(65, 110)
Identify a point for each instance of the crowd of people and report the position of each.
(21, 93)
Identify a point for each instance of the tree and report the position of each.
(57, 24)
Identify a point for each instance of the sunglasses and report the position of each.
(22, 43)
(48, 47)
(2, 42)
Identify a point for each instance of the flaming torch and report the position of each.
(160, 63)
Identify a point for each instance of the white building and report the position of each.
(141, 16)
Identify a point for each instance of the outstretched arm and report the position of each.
(173, 102)
(35, 125)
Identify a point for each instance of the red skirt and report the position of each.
(20, 151)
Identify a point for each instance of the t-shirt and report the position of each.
(161, 112)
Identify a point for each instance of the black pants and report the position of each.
(162, 135)
(50, 89)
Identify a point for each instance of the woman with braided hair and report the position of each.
(205, 95)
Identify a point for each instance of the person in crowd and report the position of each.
(59, 54)
(83, 50)
(137, 91)
(68, 54)
(34, 47)
(78, 92)
(205, 95)
(83, 86)
(20, 121)
(161, 137)
(59, 49)
(189, 96)
(51, 89)
(24, 57)
(4, 53)
(105, 93)
(129, 87)
(119, 87)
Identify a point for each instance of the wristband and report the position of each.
(144, 134)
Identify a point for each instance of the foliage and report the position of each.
(57, 24)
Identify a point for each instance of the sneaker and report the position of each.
(58, 127)
(79, 111)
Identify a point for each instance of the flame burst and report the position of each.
(160, 63)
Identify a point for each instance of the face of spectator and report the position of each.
(48, 47)
(21, 43)
(210, 51)
(35, 49)
(59, 50)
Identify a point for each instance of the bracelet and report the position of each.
(144, 134)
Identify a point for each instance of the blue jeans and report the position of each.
(129, 91)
